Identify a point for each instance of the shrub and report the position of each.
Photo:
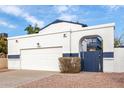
(69, 64)
(3, 55)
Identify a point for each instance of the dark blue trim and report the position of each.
(105, 55)
(70, 55)
(120, 47)
(108, 54)
(13, 56)
(66, 54)
(59, 21)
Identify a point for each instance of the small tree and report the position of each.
(119, 41)
(32, 30)
(3, 45)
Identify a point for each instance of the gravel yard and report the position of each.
(80, 80)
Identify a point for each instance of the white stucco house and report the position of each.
(93, 44)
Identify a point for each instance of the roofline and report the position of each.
(85, 28)
(59, 21)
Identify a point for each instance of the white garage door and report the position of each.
(41, 59)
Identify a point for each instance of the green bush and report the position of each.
(69, 64)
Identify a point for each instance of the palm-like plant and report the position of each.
(36, 29)
(119, 41)
(32, 30)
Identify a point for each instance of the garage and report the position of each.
(41, 58)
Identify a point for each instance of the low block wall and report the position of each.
(119, 60)
(3, 63)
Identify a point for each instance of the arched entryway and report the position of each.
(91, 53)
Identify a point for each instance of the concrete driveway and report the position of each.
(14, 78)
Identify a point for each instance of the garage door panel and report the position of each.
(41, 59)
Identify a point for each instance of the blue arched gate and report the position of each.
(91, 54)
(91, 61)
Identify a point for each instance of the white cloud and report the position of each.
(13, 10)
(18, 12)
(68, 17)
(4, 23)
(61, 8)
(11, 26)
(113, 7)
(64, 12)
(33, 20)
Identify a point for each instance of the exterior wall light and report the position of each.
(38, 44)
(16, 41)
(64, 35)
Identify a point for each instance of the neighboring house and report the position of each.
(93, 44)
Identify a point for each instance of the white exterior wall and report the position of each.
(52, 36)
(107, 34)
(13, 63)
(66, 42)
(118, 60)
(61, 27)
(31, 42)
(48, 37)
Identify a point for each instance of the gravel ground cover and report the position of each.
(79, 80)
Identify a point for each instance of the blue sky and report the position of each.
(14, 19)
